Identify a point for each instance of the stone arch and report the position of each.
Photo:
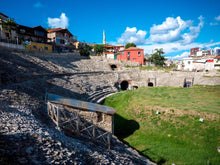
(113, 66)
(135, 87)
(124, 85)
(150, 84)
(187, 84)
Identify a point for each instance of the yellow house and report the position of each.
(40, 47)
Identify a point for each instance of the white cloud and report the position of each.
(168, 47)
(174, 35)
(38, 5)
(62, 22)
(172, 30)
(132, 35)
(169, 31)
(217, 18)
(179, 57)
(169, 24)
(194, 32)
(176, 47)
(214, 24)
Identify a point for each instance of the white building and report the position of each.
(191, 64)
(109, 55)
(217, 51)
(204, 52)
(188, 64)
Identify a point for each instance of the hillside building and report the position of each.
(133, 54)
(193, 52)
(216, 51)
(112, 51)
(5, 34)
(217, 62)
(31, 34)
(61, 39)
(3, 17)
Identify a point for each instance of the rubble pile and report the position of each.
(27, 136)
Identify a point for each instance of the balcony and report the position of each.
(73, 38)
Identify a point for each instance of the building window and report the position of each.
(39, 33)
(62, 41)
(128, 53)
(139, 54)
(188, 62)
(45, 48)
(128, 58)
(122, 53)
(7, 35)
(34, 46)
(22, 30)
(57, 40)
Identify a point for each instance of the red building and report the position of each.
(132, 54)
(193, 51)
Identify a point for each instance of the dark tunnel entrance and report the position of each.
(187, 84)
(124, 85)
(150, 84)
(135, 87)
(113, 67)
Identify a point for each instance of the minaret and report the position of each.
(104, 42)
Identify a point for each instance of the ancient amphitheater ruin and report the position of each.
(25, 78)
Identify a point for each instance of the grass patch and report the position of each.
(175, 135)
(210, 76)
(153, 68)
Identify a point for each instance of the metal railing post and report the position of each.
(77, 123)
(109, 140)
(57, 117)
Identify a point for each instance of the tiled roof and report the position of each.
(3, 15)
(106, 46)
(133, 48)
(54, 30)
(217, 57)
(60, 30)
(108, 52)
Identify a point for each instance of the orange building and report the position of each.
(133, 54)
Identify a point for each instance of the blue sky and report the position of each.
(174, 25)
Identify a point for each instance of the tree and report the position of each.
(84, 52)
(99, 48)
(157, 57)
(9, 25)
(128, 45)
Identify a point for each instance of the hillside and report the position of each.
(27, 135)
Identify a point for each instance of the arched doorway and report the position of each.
(187, 84)
(135, 87)
(150, 84)
(124, 85)
(113, 67)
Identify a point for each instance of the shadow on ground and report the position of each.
(123, 127)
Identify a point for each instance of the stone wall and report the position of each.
(172, 78)
(86, 78)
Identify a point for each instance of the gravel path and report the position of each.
(28, 137)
